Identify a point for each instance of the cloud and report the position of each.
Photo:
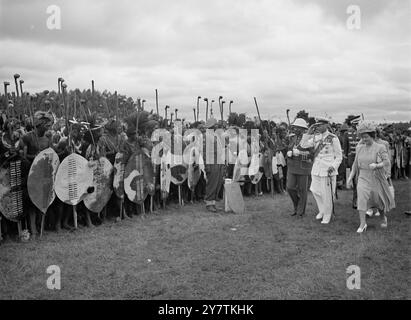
(296, 54)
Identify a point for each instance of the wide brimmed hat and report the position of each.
(299, 122)
(322, 120)
(366, 127)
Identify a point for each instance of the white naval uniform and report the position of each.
(329, 156)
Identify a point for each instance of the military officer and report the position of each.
(350, 144)
(299, 163)
(327, 159)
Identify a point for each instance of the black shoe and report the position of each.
(293, 214)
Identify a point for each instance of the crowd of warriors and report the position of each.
(93, 137)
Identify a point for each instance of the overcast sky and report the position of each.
(289, 54)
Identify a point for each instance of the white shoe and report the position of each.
(361, 230)
(377, 214)
(369, 212)
(319, 216)
(325, 222)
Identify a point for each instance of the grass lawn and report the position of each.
(190, 253)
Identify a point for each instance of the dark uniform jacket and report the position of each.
(303, 163)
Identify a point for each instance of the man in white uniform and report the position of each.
(327, 159)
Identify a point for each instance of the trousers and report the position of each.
(321, 189)
(297, 187)
(214, 173)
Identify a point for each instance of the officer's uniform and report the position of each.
(299, 169)
(328, 153)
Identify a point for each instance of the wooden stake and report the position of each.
(75, 216)
(179, 195)
(19, 228)
(43, 218)
(122, 214)
(157, 102)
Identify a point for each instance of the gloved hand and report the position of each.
(373, 166)
(296, 152)
(289, 154)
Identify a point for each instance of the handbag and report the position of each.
(391, 187)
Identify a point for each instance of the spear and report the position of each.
(116, 101)
(176, 111)
(211, 108)
(157, 102)
(258, 110)
(194, 110)
(229, 107)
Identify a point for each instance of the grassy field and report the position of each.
(190, 253)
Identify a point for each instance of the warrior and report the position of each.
(32, 143)
(350, 144)
(63, 148)
(214, 167)
(136, 142)
(327, 159)
(299, 162)
(9, 143)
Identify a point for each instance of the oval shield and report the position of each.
(137, 182)
(12, 188)
(41, 179)
(73, 179)
(102, 170)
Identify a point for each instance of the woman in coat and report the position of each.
(368, 168)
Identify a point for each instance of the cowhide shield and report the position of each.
(241, 166)
(42, 176)
(13, 190)
(149, 174)
(138, 177)
(165, 174)
(73, 179)
(118, 179)
(234, 197)
(195, 166)
(102, 170)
